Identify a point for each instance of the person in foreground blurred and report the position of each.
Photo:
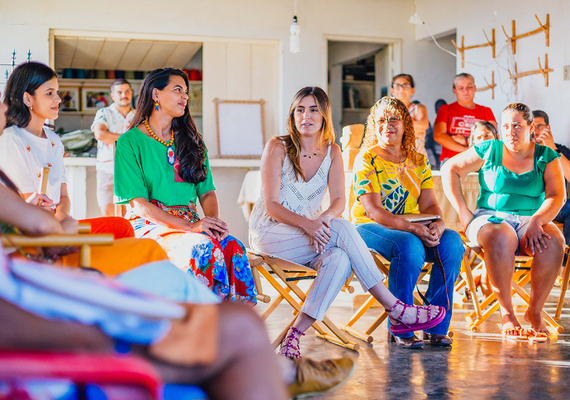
(288, 220)
(522, 191)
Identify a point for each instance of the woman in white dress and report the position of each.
(288, 221)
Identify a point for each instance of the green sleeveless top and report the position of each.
(503, 190)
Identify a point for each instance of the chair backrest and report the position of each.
(351, 140)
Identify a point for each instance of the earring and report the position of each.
(156, 105)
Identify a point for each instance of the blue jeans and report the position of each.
(564, 217)
(407, 255)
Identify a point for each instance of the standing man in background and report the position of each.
(110, 122)
(453, 124)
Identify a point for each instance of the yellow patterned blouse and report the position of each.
(399, 184)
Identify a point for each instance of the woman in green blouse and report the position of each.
(161, 171)
(522, 190)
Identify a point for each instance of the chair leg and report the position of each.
(564, 288)
(337, 337)
(471, 284)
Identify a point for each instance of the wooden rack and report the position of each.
(489, 85)
(543, 28)
(462, 49)
(544, 71)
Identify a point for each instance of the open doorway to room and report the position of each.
(359, 74)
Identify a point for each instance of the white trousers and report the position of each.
(344, 253)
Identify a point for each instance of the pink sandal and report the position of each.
(398, 327)
(289, 347)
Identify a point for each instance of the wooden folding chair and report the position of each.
(564, 286)
(384, 266)
(84, 241)
(484, 309)
(282, 275)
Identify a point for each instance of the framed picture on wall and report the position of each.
(240, 128)
(69, 98)
(94, 98)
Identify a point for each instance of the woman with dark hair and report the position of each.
(403, 89)
(27, 146)
(522, 191)
(481, 131)
(161, 170)
(288, 220)
(392, 179)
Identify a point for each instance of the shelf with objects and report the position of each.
(358, 90)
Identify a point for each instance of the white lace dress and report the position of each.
(345, 252)
(302, 198)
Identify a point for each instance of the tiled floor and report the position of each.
(480, 365)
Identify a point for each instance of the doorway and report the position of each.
(359, 73)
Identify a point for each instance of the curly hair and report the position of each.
(392, 105)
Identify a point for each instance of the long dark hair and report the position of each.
(190, 148)
(26, 78)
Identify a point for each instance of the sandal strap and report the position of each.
(398, 302)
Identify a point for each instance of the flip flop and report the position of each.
(535, 336)
(516, 333)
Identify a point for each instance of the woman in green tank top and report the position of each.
(522, 190)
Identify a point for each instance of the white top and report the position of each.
(23, 155)
(115, 123)
(303, 198)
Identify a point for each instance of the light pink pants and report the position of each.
(345, 252)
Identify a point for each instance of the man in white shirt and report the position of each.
(110, 122)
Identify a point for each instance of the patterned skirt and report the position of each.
(221, 265)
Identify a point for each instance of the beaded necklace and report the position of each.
(169, 149)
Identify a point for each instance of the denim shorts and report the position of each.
(519, 223)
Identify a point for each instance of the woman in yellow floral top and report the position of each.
(391, 179)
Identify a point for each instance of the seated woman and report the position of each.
(403, 89)
(161, 169)
(27, 146)
(481, 131)
(522, 190)
(288, 221)
(391, 179)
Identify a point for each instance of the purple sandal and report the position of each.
(398, 327)
(290, 346)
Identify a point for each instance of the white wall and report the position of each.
(469, 18)
(26, 25)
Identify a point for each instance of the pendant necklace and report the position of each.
(308, 156)
(169, 150)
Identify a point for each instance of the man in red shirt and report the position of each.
(454, 121)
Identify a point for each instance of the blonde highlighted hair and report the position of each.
(395, 106)
(292, 139)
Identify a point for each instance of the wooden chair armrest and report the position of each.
(84, 227)
(105, 239)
